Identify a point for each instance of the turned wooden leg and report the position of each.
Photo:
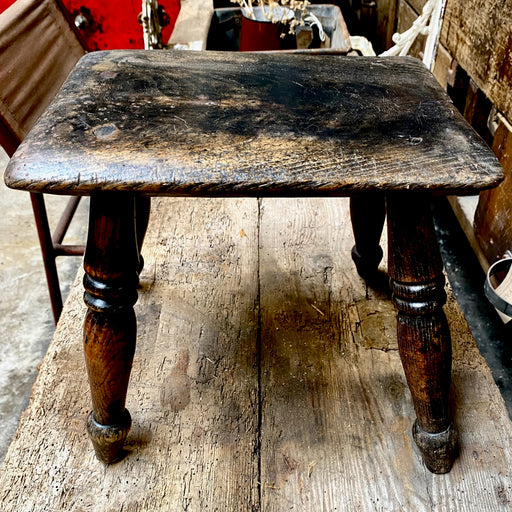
(142, 211)
(367, 213)
(110, 281)
(417, 283)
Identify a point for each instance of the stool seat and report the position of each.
(128, 125)
(228, 124)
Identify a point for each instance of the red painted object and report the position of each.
(113, 25)
(107, 25)
(4, 4)
(257, 36)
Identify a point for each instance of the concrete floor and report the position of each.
(26, 321)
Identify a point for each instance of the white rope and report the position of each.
(434, 31)
(429, 22)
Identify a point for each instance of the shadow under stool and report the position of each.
(128, 125)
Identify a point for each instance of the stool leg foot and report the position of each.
(110, 281)
(108, 440)
(367, 213)
(417, 284)
(438, 449)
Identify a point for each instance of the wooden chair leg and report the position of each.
(417, 284)
(367, 213)
(110, 281)
(51, 245)
(48, 253)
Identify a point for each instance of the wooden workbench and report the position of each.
(307, 411)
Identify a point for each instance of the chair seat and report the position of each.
(231, 124)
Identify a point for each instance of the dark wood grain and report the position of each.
(417, 283)
(192, 123)
(111, 263)
(477, 34)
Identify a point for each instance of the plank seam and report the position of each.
(258, 352)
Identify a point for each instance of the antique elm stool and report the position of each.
(128, 125)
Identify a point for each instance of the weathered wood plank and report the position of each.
(477, 110)
(336, 412)
(386, 14)
(224, 123)
(493, 218)
(417, 5)
(477, 34)
(442, 65)
(193, 391)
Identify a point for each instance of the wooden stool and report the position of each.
(128, 125)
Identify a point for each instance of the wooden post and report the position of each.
(417, 283)
(110, 281)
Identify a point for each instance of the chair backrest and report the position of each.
(38, 49)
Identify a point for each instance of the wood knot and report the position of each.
(106, 131)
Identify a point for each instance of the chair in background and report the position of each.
(38, 49)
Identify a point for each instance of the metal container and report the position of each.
(225, 29)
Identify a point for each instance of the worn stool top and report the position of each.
(207, 123)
